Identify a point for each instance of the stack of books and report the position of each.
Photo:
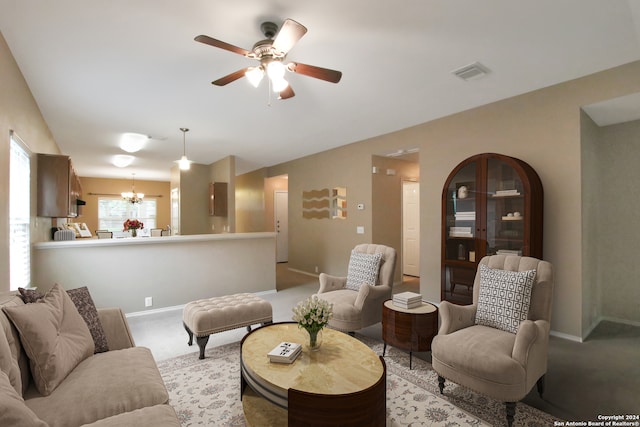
(285, 352)
(407, 300)
(460, 232)
(508, 252)
(505, 193)
(465, 216)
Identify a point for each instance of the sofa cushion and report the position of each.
(87, 309)
(363, 268)
(504, 298)
(84, 303)
(21, 377)
(8, 364)
(54, 336)
(101, 386)
(13, 411)
(156, 416)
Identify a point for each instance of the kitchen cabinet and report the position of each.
(59, 190)
(491, 204)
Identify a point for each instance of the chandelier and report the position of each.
(131, 196)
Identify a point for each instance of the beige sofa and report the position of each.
(119, 387)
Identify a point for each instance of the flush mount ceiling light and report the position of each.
(122, 160)
(132, 142)
(184, 163)
(131, 196)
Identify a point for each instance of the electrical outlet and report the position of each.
(148, 301)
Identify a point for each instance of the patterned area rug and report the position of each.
(207, 393)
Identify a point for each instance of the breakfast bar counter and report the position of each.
(148, 273)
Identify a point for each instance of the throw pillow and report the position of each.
(504, 298)
(13, 410)
(87, 309)
(29, 295)
(54, 337)
(363, 268)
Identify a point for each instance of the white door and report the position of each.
(411, 228)
(281, 216)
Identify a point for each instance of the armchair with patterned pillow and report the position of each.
(357, 298)
(498, 345)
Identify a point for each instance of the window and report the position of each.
(19, 214)
(113, 211)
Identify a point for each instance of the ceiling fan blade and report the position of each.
(289, 34)
(230, 77)
(326, 74)
(287, 93)
(222, 45)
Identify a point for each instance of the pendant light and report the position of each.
(184, 163)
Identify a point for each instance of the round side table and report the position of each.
(409, 329)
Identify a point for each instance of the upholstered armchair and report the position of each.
(357, 299)
(485, 346)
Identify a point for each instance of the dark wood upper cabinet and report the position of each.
(491, 204)
(58, 187)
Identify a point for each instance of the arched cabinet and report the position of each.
(491, 204)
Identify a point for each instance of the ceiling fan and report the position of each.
(271, 53)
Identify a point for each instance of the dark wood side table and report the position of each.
(409, 329)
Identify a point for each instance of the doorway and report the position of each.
(411, 228)
(281, 225)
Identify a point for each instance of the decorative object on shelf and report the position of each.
(463, 192)
(184, 163)
(313, 314)
(133, 225)
(131, 196)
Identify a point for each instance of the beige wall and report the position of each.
(102, 186)
(541, 128)
(20, 113)
(250, 207)
(617, 200)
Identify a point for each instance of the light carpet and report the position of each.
(207, 393)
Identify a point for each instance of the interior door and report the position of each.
(281, 217)
(411, 228)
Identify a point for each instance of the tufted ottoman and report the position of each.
(208, 316)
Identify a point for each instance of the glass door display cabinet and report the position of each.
(491, 204)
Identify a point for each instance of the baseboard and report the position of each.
(306, 273)
(623, 321)
(565, 336)
(180, 307)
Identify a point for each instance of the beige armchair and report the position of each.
(356, 309)
(496, 363)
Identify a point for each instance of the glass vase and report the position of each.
(134, 232)
(315, 339)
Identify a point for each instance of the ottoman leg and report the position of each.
(202, 343)
(186, 328)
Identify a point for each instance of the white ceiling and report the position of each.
(98, 69)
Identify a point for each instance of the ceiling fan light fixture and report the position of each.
(279, 84)
(254, 75)
(275, 70)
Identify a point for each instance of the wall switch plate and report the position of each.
(148, 301)
(360, 229)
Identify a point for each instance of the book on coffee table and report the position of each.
(285, 352)
(407, 300)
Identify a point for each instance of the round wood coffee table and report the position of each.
(342, 366)
(409, 329)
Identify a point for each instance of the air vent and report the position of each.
(471, 72)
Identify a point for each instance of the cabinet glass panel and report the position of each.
(461, 214)
(505, 209)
